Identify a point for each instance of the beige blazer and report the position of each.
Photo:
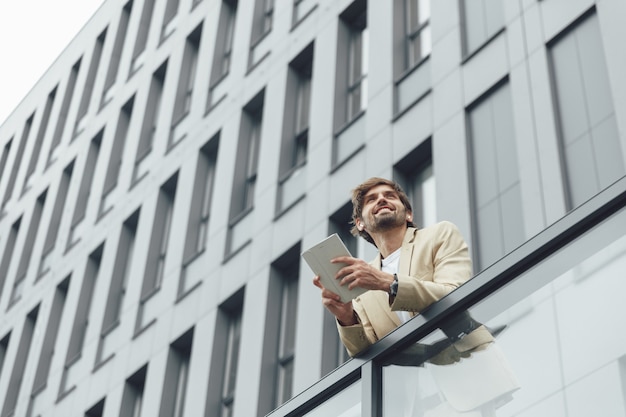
(433, 262)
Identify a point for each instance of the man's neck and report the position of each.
(390, 240)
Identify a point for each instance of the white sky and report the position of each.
(33, 33)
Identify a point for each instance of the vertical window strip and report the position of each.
(85, 100)
(80, 208)
(416, 176)
(50, 337)
(4, 345)
(83, 308)
(418, 41)
(150, 120)
(157, 252)
(120, 275)
(116, 54)
(55, 220)
(176, 376)
(43, 127)
(132, 396)
(230, 364)
(199, 212)
(29, 242)
(182, 105)
(4, 158)
(168, 26)
(9, 247)
(61, 119)
(17, 161)
(590, 142)
(19, 366)
(496, 195)
(116, 157)
(142, 36)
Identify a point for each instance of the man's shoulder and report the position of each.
(443, 227)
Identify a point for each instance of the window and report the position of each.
(150, 123)
(154, 271)
(84, 190)
(481, 20)
(261, 27)
(142, 37)
(412, 47)
(169, 19)
(159, 239)
(155, 265)
(55, 219)
(295, 141)
(352, 54)
(117, 287)
(116, 156)
(417, 37)
(350, 82)
(223, 52)
(116, 54)
(4, 345)
(591, 154)
(81, 320)
(302, 9)
(280, 332)
(245, 176)
(4, 158)
(29, 242)
(132, 396)
(94, 66)
(49, 338)
(17, 162)
(97, 410)
(496, 193)
(9, 247)
(176, 376)
(19, 366)
(415, 174)
(199, 212)
(62, 116)
(225, 358)
(263, 16)
(182, 102)
(34, 156)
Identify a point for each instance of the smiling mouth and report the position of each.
(384, 208)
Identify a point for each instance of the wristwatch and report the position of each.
(393, 288)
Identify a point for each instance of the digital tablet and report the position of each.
(318, 258)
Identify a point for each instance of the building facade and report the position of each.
(160, 181)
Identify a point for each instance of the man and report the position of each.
(414, 268)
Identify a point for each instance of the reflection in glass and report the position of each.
(461, 371)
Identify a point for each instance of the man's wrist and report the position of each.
(393, 287)
(354, 319)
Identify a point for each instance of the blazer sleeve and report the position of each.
(440, 263)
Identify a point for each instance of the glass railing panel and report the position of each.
(558, 348)
(346, 403)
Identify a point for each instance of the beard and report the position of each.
(388, 221)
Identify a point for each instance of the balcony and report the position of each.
(555, 308)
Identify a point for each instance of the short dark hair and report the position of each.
(358, 195)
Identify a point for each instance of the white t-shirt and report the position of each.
(390, 265)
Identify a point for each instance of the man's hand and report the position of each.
(358, 273)
(342, 311)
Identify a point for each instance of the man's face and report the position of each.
(383, 210)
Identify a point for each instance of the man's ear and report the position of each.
(359, 226)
